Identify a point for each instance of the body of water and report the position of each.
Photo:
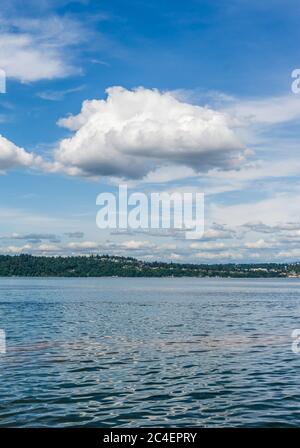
(113, 352)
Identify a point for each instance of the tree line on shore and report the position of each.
(107, 266)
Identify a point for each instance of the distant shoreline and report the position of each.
(98, 266)
(55, 277)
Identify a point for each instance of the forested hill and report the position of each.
(107, 266)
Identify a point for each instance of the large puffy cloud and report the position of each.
(11, 156)
(134, 132)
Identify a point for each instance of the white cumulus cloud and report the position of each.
(133, 132)
(11, 156)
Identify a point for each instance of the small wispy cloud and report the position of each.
(58, 95)
(33, 49)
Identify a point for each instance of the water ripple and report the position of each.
(149, 352)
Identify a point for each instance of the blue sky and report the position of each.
(229, 62)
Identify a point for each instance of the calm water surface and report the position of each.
(149, 352)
